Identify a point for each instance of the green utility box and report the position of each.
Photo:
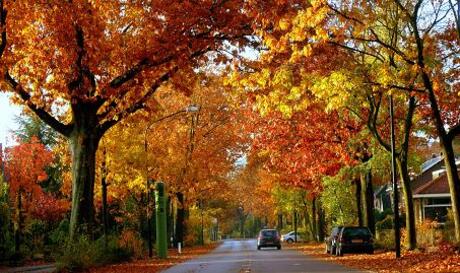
(160, 214)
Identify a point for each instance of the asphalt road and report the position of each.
(242, 256)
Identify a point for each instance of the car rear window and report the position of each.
(269, 233)
(352, 232)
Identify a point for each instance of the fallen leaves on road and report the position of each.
(155, 264)
(385, 262)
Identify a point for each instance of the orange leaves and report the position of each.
(25, 166)
(385, 262)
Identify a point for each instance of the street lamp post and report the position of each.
(395, 184)
(189, 109)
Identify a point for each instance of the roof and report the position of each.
(430, 163)
(439, 185)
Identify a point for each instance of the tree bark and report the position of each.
(18, 224)
(454, 184)
(84, 141)
(280, 221)
(367, 195)
(321, 221)
(295, 226)
(104, 199)
(84, 147)
(180, 219)
(315, 223)
(444, 137)
(411, 241)
(359, 208)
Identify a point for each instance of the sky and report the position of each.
(8, 112)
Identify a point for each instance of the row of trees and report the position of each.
(320, 79)
(345, 59)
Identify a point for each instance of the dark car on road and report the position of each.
(268, 238)
(331, 241)
(354, 239)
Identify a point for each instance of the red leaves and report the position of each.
(305, 147)
(25, 166)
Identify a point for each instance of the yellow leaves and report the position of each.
(334, 89)
(284, 24)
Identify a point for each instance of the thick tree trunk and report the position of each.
(454, 184)
(367, 195)
(83, 146)
(180, 219)
(104, 199)
(408, 203)
(359, 208)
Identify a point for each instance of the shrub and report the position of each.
(84, 253)
(385, 223)
(428, 234)
(131, 242)
(385, 239)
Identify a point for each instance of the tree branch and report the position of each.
(3, 26)
(454, 131)
(63, 129)
(139, 104)
(82, 70)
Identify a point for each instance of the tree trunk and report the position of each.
(444, 137)
(454, 184)
(411, 240)
(104, 198)
(308, 223)
(315, 223)
(367, 195)
(18, 224)
(359, 208)
(321, 221)
(180, 219)
(84, 146)
(295, 226)
(280, 221)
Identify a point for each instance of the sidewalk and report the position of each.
(45, 268)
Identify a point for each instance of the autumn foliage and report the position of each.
(25, 166)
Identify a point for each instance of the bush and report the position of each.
(429, 234)
(385, 239)
(385, 223)
(131, 242)
(84, 253)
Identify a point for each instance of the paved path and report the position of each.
(46, 268)
(242, 256)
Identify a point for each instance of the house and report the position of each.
(430, 191)
(382, 198)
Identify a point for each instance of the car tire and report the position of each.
(370, 251)
(278, 247)
(258, 247)
(290, 241)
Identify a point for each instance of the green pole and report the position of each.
(161, 234)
